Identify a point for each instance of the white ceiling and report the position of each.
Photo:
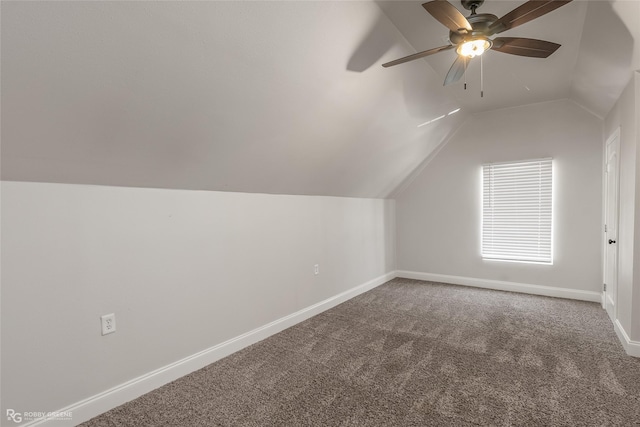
(509, 80)
(609, 51)
(591, 58)
(274, 97)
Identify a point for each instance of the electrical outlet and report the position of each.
(108, 323)
(316, 269)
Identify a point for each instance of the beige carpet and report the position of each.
(412, 353)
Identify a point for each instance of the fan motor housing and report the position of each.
(480, 24)
(471, 4)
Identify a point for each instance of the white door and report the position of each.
(611, 224)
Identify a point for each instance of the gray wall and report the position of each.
(182, 270)
(438, 215)
(625, 116)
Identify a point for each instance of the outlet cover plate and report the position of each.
(108, 322)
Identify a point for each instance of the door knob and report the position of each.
(611, 241)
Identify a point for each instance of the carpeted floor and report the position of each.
(412, 353)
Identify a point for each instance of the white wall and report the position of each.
(624, 115)
(438, 215)
(182, 271)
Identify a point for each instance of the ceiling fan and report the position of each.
(470, 36)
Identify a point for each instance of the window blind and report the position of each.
(517, 211)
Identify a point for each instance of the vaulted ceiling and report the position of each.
(274, 97)
(596, 53)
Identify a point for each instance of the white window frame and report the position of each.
(510, 191)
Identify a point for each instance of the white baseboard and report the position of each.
(631, 347)
(86, 409)
(503, 286)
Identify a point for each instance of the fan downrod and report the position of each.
(471, 5)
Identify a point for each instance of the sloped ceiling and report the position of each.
(609, 51)
(273, 97)
(591, 67)
(509, 80)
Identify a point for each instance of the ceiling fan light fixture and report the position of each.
(469, 36)
(473, 48)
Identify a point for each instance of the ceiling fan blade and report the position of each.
(457, 70)
(524, 47)
(448, 15)
(528, 11)
(417, 55)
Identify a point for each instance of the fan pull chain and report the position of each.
(481, 78)
(465, 73)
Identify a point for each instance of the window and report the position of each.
(517, 211)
